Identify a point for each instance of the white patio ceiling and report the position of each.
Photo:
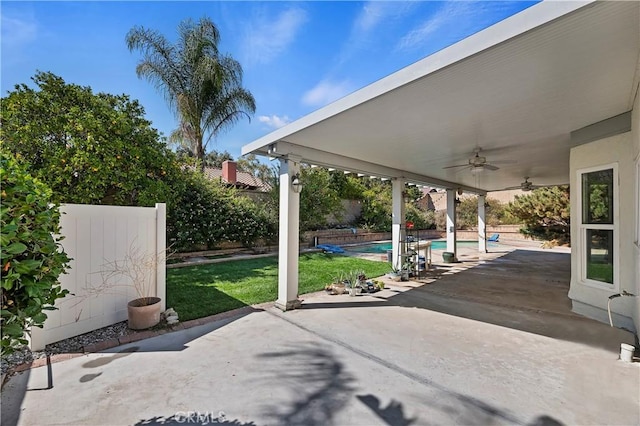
(517, 90)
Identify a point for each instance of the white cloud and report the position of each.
(274, 121)
(265, 38)
(375, 21)
(18, 31)
(370, 16)
(326, 92)
(374, 13)
(453, 19)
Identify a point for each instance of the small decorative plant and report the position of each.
(338, 285)
(353, 280)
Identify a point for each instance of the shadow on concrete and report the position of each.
(522, 289)
(175, 342)
(14, 391)
(465, 410)
(320, 386)
(318, 383)
(392, 414)
(12, 395)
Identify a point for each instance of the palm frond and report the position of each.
(202, 86)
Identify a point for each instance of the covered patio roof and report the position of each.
(517, 90)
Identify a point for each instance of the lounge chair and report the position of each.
(330, 248)
(494, 238)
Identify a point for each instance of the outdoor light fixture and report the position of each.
(458, 200)
(296, 185)
(406, 197)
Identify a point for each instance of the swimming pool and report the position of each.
(383, 247)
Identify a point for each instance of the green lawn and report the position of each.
(199, 291)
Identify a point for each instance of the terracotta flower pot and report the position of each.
(143, 312)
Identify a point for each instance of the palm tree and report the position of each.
(202, 86)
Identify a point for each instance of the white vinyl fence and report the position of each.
(103, 240)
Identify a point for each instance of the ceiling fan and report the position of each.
(526, 186)
(478, 163)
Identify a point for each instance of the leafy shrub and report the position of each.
(207, 213)
(251, 223)
(31, 257)
(198, 218)
(420, 219)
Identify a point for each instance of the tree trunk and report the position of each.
(200, 155)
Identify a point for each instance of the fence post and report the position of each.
(161, 254)
(36, 339)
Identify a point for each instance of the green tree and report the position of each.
(376, 206)
(544, 212)
(88, 148)
(250, 164)
(201, 85)
(31, 257)
(318, 199)
(216, 158)
(495, 213)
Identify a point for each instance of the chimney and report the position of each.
(229, 172)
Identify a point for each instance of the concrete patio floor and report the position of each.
(477, 343)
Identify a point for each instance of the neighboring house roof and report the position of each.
(244, 180)
(230, 175)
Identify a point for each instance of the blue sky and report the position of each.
(297, 56)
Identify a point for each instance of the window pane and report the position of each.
(600, 255)
(597, 197)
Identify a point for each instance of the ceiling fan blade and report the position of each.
(490, 167)
(504, 161)
(459, 165)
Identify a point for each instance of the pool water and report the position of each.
(383, 247)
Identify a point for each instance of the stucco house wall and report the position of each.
(620, 150)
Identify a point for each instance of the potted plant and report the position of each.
(137, 270)
(354, 282)
(337, 286)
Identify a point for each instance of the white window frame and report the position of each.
(582, 230)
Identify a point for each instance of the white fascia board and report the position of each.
(518, 24)
(326, 159)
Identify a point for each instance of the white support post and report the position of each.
(482, 224)
(289, 244)
(451, 223)
(397, 226)
(161, 254)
